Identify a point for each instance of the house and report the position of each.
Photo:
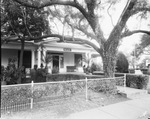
(63, 55)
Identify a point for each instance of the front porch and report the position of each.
(66, 57)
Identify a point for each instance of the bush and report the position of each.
(64, 77)
(122, 63)
(41, 75)
(107, 86)
(67, 77)
(132, 71)
(144, 71)
(137, 81)
(55, 70)
(11, 73)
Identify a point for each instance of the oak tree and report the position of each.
(87, 19)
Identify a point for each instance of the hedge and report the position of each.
(68, 77)
(15, 94)
(107, 86)
(137, 81)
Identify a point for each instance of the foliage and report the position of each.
(64, 77)
(137, 81)
(93, 68)
(22, 22)
(144, 71)
(122, 63)
(144, 46)
(107, 86)
(68, 77)
(10, 74)
(41, 75)
(55, 70)
(12, 95)
(19, 23)
(86, 18)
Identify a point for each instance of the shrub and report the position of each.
(64, 77)
(107, 86)
(122, 63)
(144, 71)
(67, 77)
(132, 71)
(11, 74)
(41, 75)
(137, 81)
(55, 70)
(93, 68)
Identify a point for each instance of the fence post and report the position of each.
(32, 83)
(86, 89)
(125, 76)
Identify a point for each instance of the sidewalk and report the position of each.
(131, 109)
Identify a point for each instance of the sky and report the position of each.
(127, 44)
(134, 23)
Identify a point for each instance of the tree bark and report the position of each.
(109, 62)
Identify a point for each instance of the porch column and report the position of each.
(33, 59)
(39, 57)
(44, 56)
(88, 56)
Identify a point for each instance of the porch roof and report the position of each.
(67, 45)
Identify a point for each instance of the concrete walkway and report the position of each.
(132, 109)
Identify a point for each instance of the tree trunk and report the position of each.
(109, 63)
(21, 61)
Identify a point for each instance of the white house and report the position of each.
(63, 54)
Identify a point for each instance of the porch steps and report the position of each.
(132, 93)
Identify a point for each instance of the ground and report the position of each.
(61, 108)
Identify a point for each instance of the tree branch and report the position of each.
(110, 14)
(115, 34)
(24, 20)
(54, 2)
(139, 9)
(129, 33)
(91, 18)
